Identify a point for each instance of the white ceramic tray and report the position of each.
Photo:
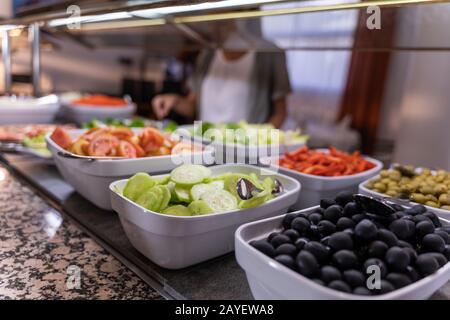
(92, 178)
(175, 242)
(362, 189)
(271, 280)
(315, 188)
(28, 110)
(84, 113)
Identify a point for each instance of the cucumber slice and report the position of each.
(219, 184)
(164, 180)
(148, 200)
(220, 200)
(230, 182)
(173, 196)
(199, 207)
(257, 200)
(199, 189)
(177, 210)
(137, 185)
(183, 193)
(165, 198)
(268, 184)
(189, 174)
(159, 197)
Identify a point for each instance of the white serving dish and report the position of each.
(92, 178)
(362, 189)
(28, 110)
(176, 242)
(239, 153)
(84, 113)
(271, 280)
(315, 188)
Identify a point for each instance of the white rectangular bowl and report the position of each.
(42, 110)
(315, 188)
(80, 114)
(92, 178)
(174, 242)
(362, 189)
(270, 280)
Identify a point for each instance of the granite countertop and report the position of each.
(45, 256)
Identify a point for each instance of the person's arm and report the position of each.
(162, 104)
(279, 112)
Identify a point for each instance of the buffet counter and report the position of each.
(41, 251)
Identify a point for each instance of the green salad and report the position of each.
(130, 123)
(37, 144)
(247, 134)
(192, 190)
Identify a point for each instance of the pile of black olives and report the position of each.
(335, 245)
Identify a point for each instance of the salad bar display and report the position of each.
(165, 203)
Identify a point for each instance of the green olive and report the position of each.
(439, 189)
(392, 193)
(430, 197)
(426, 189)
(445, 208)
(432, 204)
(444, 199)
(381, 187)
(418, 197)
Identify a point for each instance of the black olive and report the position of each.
(426, 264)
(318, 210)
(325, 203)
(343, 198)
(307, 264)
(344, 223)
(412, 273)
(398, 280)
(420, 218)
(354, 278)
(387, 237)
(263, 246)
(288, 219)
(278, 240)
(423, 228)
(351, 209)
(300, 243)
(325, 240)
(404, 244)
(375, 262)
(419, 209)
(400, 214)
(412, 253)
(385, 287)
(403, 229)
(349, 231)
(330, 273)
(359, 217)
(301, 225)
(412, 212)
(292, 234)
(286, 248)
(434, 218)
(407, 217)
(440, 258)
(377, 249)
(326, 227)
(444, 235)
(272, 235)
(345, 259)
(446, 251)
(361, 291)
(333, 213)
(366, 230)
(397, 258)
(320, 252)
(340, 241)
(339, 285)
(286, 260)
(315, 218)
(433, 243)
(397, 207)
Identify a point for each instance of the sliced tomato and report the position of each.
(139, 151)
(151, 139)
(103, 145)
(61, 138)
(122, 133)
(126, 150)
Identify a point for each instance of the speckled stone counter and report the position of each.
(45, 256)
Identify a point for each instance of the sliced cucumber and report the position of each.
(159, 196)
(189, 174)
(137, 185)
(165, 198)
(257, 200)
(268, 184)
(148, 200)
(164, 180)
(173, 196)
(230, 182)
(199, 207)
(177, 210)
(183, 193)
(219, 184)
(199, 189)
(220, 200)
